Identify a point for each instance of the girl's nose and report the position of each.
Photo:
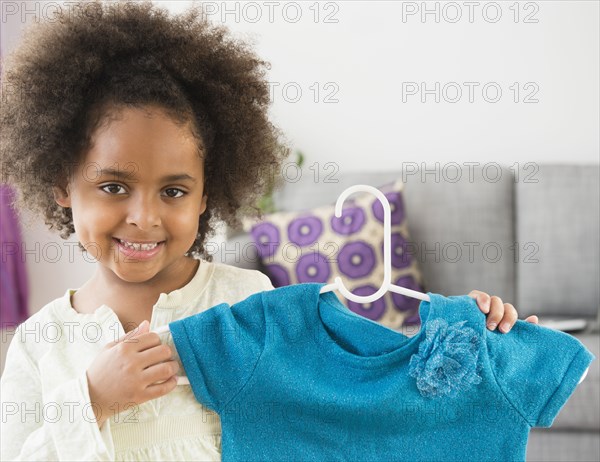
(144, 212)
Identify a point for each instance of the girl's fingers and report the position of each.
(160, 372)
(509, 318)
(157, 390)
(499, 314)
(496, 312)
(483, 300)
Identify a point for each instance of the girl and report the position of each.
(134, 129)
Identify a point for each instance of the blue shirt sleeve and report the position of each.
(537, 369)
(220, 348)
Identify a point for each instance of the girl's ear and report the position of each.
(203, 204)
(61, 196)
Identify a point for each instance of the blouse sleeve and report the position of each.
(220, 348)
(265, 282)
(58, 424)
(537, 369)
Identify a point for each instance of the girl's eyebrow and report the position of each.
(129, 175)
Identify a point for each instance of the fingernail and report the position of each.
(505, 327)
(491, 326)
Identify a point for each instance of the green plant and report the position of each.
(266, 203)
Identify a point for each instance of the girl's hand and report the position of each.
(503, 314)
(128, 371)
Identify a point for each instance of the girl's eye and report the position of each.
(111, 186)
(175, 189)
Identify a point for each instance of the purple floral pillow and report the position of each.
(316, 246)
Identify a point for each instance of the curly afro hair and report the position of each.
(70, 75)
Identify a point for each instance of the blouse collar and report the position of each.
(177, 298)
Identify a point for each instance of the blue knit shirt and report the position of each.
(295, 375)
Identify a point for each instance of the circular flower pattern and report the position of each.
(373, 310)
(399, 251)
(313, 268)
(356, 259)
(305, 230)
(447, 360)
(402, 303)
(266, 236)
(351, 221)
(396, 208)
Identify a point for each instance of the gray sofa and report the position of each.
(545, 220)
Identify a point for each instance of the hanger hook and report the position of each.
(387, 265)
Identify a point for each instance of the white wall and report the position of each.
(367, 55)
(370, 52)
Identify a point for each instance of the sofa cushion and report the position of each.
(462, 223)
(557, 222)
(316, 246)
(582, 410)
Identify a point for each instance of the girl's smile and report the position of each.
(139, 250)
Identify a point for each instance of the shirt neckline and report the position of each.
(338, 312)
(175, 299)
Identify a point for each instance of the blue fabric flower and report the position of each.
(447, 360)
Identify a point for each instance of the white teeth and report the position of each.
(134, 246)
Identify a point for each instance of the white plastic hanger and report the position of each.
(387, 265)
(387, 253)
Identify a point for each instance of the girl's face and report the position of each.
(142, 181)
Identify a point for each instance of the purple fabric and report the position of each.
(13, 273)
